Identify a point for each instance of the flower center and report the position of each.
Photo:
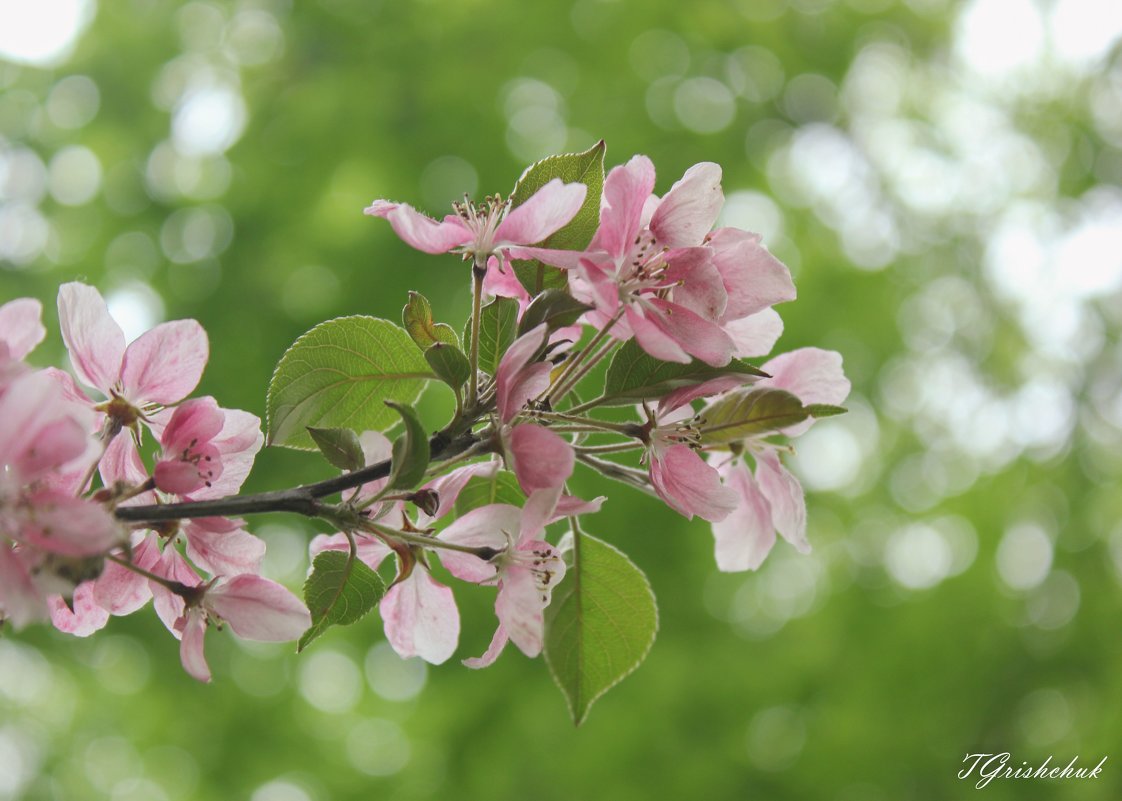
(482, 220)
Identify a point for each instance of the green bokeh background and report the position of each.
(942, 180)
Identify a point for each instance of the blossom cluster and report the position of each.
(119, 488)
(63, 554)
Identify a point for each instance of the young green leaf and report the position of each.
(750, 414)
(824, 410)
(340, 590)
(449, 363)
(418, 322)
(340, 446)
(553, 307)
(634, 375)
(498, 325)
(586, 168)
(410, 450)
(600, 625)
(338, 374)
(481, 490)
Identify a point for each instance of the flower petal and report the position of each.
(756, 334)
(753, 278)
(689, 209)
(653, 339)
(421, 618)
(21, 326)
(222, 547)
(420, 231)
(83, 616)
(519, 608)
(745, 537)
(95, 342)
(492, 526)
(696, 335)
(259, 609)
(542, 458)
(191, 653)
(784, 495)
(20, 599)
(544, 213)
(517, 381)
(498, 643)
(626, 190)
(690, 486)
(165, 364)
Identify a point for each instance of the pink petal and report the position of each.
(121, 591)
(565, 259)
(539, 511)
(196, 420)
(95, 342)
(21, 601)
(697, 336)
(653, 339)
(421, 618)
(503, 283)
(421, 232)
(571, 506)
(31, 404)
(121, 462)
(169, 606)
(83, 618)
(714, 386)
(498, 643)
(687, 212)
(544, 213)
(784, 495)
(516, 381)
(542, 459)
(492, 526)
(745, 537)
(165, 364)
(690, 486)
(812, 375)
(756, 334)
(259, 609)
(238, 444)
(21, 327)
(448, 487)
(369, 549)
(699, 286)
(626, 190)
(753, 278)
(191, 653)
(177, 477)
(519, 608)
(60, 523)
(223, 551)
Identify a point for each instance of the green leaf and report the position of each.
(600, 625)
(418, 322)
(480, 491)
(338, 374)
(410, 450)
(750, 414)
(449, 363)
(553, 307)
(340, 590)
(824, 410)
(498, 324)
(586, 168)
(634, 375)
(340, 446)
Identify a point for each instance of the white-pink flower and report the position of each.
(770, 498)
(489, 229)
(207, 451)
(254, 608)
(526, 568)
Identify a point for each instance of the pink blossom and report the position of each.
(770, 499)
(21, 328)
(526, 568)
(491, 228)
(207, 451)
(160, 368)
(540, 458)
(519, 379)
(253, 607)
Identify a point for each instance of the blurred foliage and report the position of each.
(941, 178)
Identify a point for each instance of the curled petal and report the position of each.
(420, 231)
(785, 496)
(259, 609)
(165, 364)
(198, 419)
(191, 646)
(542, 458)
(83, 616)
(517, 381)
(544, 213)
(238, 444)
(498, 643)
(745, 537)
(626, 190)
(714, 386)
(95, 342)
(690, 486)
(421, 618)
